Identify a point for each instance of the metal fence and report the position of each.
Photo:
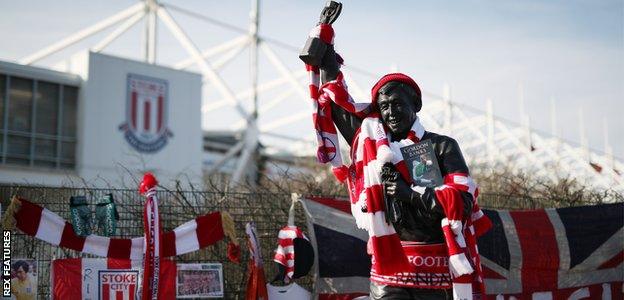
(268, 211)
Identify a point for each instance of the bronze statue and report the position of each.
(415, 214)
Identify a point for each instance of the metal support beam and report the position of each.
(264, 108)
(284, 71)
(234, 43)
(121, 29)
(151, 31)
(527, 132)
(228, 56)
(80, 35)
(247, 155)
(490, 131)
(448, 110)
(607, 146)
(582, 137)
(522, 149)
(246, 93)
(285, 121)
(253, 56)
(248, 159)
(207, 71)
(227, 156)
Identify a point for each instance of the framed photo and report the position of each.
(203, 280)
(24, 278)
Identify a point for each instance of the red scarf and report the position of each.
(153, 233)
(328, 150)
(256, 283)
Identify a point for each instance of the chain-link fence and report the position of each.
(268, 211)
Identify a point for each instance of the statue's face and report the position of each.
(398, 112)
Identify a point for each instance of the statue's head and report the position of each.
(398, 99)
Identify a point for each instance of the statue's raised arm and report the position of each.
(319, 52)
(315, 48)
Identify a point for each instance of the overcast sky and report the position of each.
(571, 51)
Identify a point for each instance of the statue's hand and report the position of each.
(397, 187)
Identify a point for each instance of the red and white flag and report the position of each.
(256, 282)
(100, 278)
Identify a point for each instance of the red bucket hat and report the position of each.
(400, 77)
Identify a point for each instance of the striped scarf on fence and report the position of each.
(49, 227)
(285, 252)
(153, 234)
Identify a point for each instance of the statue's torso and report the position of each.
(425, 226)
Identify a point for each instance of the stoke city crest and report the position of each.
(118, 284)
(147, 101)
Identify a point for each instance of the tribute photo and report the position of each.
(24, 279)
(200, 281)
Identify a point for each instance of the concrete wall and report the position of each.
(104, 154)
(104, 157)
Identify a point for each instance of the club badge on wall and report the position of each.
(147, 99)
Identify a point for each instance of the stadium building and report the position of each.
(103, 121)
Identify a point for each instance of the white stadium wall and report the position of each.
(105, 153)
(116, 141)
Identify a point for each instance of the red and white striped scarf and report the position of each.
(461, 234)
(328, 150)
(285, 252)
(49, 227)
(371, 150)
(152, 251)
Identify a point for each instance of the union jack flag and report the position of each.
(565, 253)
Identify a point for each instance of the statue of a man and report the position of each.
(391, 121)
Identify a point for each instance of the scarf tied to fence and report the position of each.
(370, 150)
(153, 247)
(153, 236)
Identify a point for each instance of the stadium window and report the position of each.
(37, 123)
(46, 125)
(47, 103)
(20, 106)
(68, 127)
(70, 101)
